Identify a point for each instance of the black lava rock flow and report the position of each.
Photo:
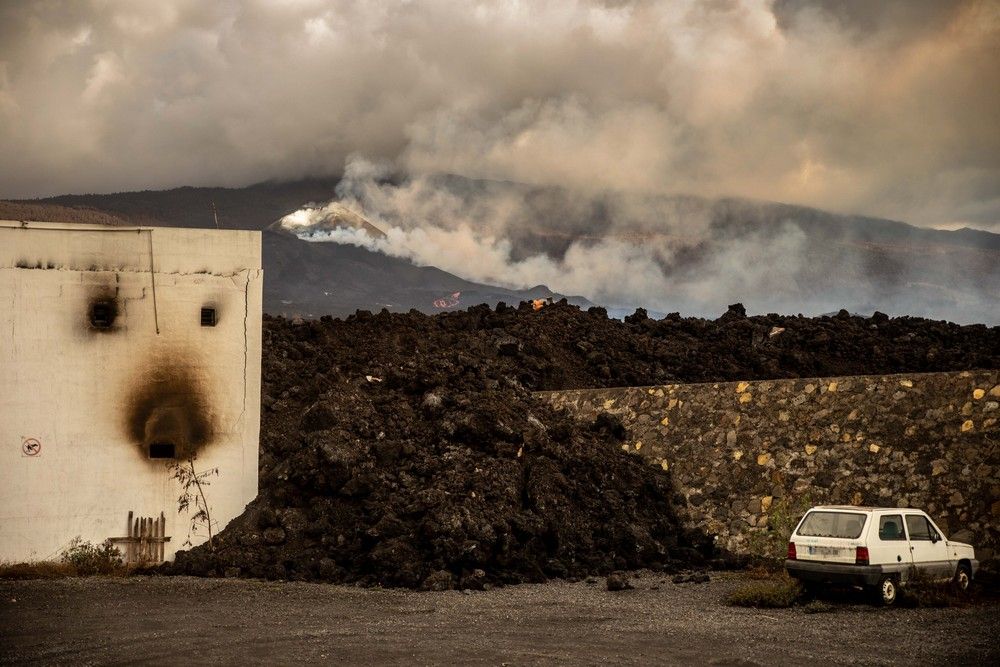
(409, 450)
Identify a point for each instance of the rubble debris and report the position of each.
(440, 475)
(618, 581)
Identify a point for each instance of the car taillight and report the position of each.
(861, 556)
(791, 551)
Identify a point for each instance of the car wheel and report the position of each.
(809, 590)
(885, 591)
(963, 577)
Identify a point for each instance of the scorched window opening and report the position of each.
(162, 450)
(101, 315)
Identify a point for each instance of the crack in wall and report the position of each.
(250, 275)
(13, 309)
(232, 274)
(246, 317)
(241, 420)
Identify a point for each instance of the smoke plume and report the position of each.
(624, 250)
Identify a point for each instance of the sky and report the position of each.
(888, 109)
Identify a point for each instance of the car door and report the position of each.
(928, 549)
(889, 548)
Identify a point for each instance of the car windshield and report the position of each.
(847, 525)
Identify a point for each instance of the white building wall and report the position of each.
(94, 399)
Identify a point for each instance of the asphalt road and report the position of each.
(180, 620)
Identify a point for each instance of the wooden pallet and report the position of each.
(146, 539)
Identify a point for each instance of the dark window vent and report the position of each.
(102, 315)
(208, 317)
(162, 450)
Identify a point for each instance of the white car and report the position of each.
(880, 548)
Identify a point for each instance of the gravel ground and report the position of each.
(170, 620)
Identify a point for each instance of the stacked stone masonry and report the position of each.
(741, 451)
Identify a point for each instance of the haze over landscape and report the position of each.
(627, 153)
(500, 332)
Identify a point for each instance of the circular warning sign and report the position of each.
(31, 447)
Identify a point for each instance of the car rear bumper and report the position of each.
(843, 574)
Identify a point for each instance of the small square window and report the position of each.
(208, 317)
(102, 314)
(162, 450)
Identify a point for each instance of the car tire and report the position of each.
(810, 590)
(886, 591)
(963, 578)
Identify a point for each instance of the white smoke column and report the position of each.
(610, 271)
(469, 235)
(304, 218)
(624, 250)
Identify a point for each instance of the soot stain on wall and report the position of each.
(167, 407)
(102, 314)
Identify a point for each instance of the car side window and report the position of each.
(918, 528)
(890, 527)
(935, 535)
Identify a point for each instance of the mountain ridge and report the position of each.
(856, 262)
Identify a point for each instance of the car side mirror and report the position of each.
(934, 538)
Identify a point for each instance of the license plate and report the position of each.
(824, 551)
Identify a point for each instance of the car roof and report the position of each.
(856, 508)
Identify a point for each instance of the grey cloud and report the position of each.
(866, 18)
(881, 108)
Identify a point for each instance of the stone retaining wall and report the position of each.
(746, 454)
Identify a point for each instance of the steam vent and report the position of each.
(128, 355)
